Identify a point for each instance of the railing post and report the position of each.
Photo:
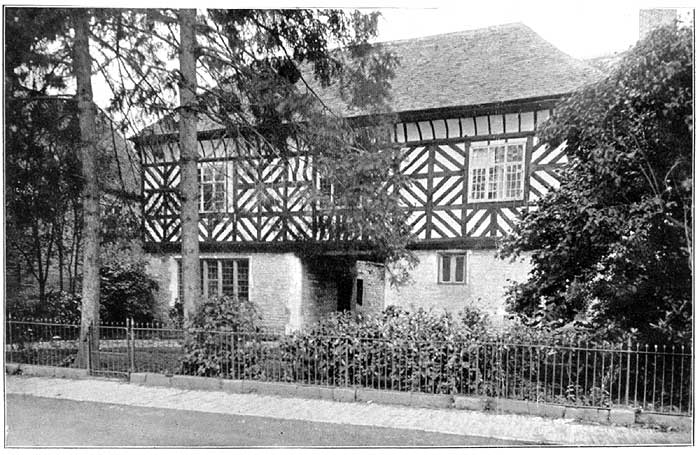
(347, 361)
(627, 375)
(131, 344)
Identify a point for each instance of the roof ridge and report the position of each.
(470, 31)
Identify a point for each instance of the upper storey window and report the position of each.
(496, 171)
(212, 187)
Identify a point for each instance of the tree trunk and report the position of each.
(38, 258)
(90, 310)
(59, 250)
(189, 184)
(74, 261)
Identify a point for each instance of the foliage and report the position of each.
(43, 182)
(397, 323)
(227, 314)
(37, 57)
(128, 291)
(42, 170)
(59, 307)
(437, 352)
(216, 338)
(612, 246)
(228, 349)
(396, 349)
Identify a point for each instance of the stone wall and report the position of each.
(294, 292)
(274, 284)
(373, 287)
(487, 278)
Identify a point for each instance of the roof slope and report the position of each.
(473, 67)
(488, 65)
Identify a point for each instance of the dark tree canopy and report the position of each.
(612, 247)
(43, 167)
(37, 52)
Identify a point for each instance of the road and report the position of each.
(39, 421)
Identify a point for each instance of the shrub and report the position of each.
(425, 351)
(397, 349)
(127, 291)
(219, 337)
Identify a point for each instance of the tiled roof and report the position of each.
(489, 65)
(473, 67)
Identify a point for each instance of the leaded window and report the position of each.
(220, 277)
(496, 171)
(212, 187)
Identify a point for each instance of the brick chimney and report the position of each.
(649, 19)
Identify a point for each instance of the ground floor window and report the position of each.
(220, 277)
(452, 268)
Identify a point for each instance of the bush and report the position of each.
(426, 351)
(219, 337)
(396, 349)
(127, 291)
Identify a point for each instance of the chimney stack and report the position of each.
(650, 19)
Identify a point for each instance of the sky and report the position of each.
(582, 29)
(577, 28)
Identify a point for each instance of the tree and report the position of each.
(43, 166)
(82, 65)
(43, 183)
(42, 172)
(612, 247)
(189, 154)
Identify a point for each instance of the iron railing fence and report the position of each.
(42, 342)
(651, 378)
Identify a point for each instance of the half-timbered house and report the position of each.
(468, 105)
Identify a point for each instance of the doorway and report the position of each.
(345, 285)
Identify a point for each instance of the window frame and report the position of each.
(453, 267)
(205, 280)
(218, 168)
(490, 175)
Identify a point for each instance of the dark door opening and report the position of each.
(345, 286)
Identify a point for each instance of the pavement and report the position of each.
(513, 429)
(50, 422)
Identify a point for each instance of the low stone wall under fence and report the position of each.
(654, 379)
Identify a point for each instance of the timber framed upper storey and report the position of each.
(474, 161)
